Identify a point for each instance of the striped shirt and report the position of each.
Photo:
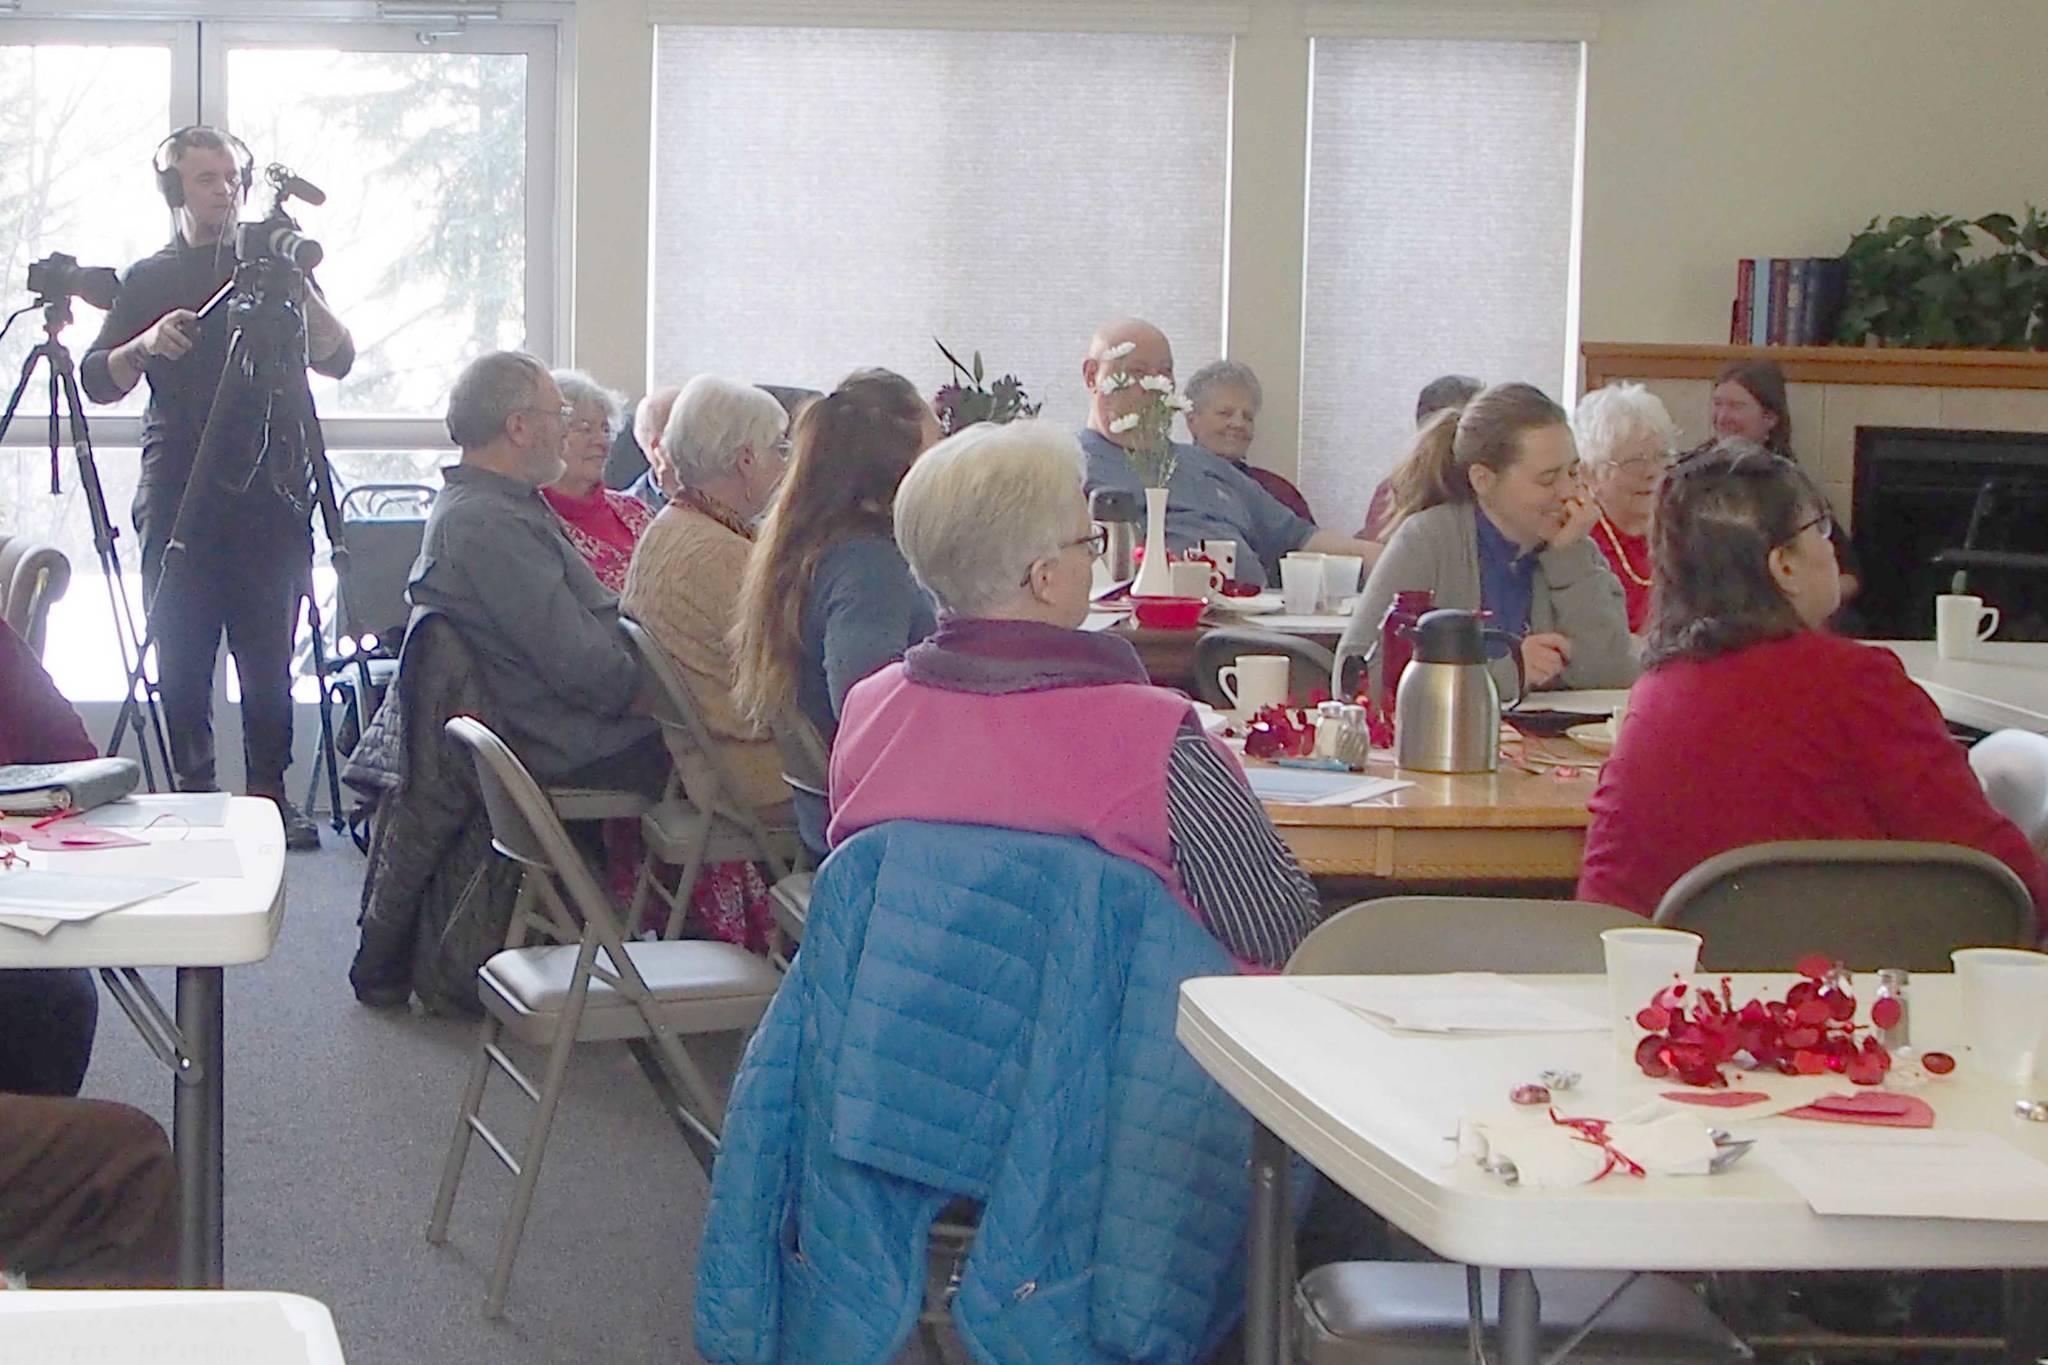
(1238, 874)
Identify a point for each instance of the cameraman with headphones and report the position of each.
(250, 583)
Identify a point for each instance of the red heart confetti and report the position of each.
(1811, 1032)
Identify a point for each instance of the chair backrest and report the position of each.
(806, 766)
(382, 525)
(32, 576)
(1309, 664)
(1420, 934)
(2013, 766)
(524, 826)
(699, 768)
(1868, 903)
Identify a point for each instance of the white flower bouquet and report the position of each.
(1151, 455)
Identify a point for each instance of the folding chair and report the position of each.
(805, 769)
(583, 983)
(698, 821)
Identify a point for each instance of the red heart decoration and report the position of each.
(1716, 1099)
(1877, 1108)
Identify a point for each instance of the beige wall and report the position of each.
(1717, 129)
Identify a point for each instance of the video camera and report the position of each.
(277, 237)
(60, 276)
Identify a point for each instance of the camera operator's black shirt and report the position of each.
(181, 390)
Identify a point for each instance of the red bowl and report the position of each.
(1169, 613)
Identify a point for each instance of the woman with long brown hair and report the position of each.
(827, 598)
(1495, 519)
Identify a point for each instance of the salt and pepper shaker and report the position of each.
(1892, 983)
(1354, 743)
(1329, 729)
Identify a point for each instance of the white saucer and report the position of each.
(1260, 605)
(1599, 736)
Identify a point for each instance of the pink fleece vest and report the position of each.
(1088, 762)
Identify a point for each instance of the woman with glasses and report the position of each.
(1625, 440)
(1012, 716)
(602, 525)
(1493, 517)
(724, 445)
(1753, 724)
(827, 598)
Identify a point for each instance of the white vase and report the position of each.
(1154, 579)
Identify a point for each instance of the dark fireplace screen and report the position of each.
(1947, 511)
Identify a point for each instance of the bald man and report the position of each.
(1208, 497)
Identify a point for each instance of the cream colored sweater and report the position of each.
(683, 585)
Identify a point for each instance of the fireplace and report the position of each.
(1935, 510)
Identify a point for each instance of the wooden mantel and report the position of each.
(1607, 360)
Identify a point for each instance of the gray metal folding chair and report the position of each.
(1309, 664)
(582, 983)
(699, 821)
(1868, 903)
(806, 769)
(1432, 1313)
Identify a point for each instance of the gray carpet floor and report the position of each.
(337, 1120)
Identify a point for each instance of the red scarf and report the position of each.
(603, 526)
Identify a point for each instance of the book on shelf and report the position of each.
(1786, 301)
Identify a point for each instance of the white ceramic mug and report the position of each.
(1301, 582)
(1960, 622)
(1195, 578)
(2005, 1009)
(1254, 682)
(1340, 578)
(1641, 962)
(1223, 554)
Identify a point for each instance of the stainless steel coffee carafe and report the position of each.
(1119, 512)
(1447, 709)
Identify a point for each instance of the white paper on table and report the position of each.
(1453, 1002)
(197, 859)
(200, 1332)
(198, 809)
(1314, 787)
(64, 897)
(1912, 1174)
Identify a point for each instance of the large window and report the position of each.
(436, 151)
(833, 198)
(1441, 206)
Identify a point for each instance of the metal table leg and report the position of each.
(1266, 1294)
(1521, 1313)
(196, 1128)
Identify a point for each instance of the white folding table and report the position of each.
(1375, 1112)
(164, 1320)
(199, 929)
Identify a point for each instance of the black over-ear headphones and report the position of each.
(170, 182)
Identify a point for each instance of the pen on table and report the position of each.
(1321, 765)
(65, 814)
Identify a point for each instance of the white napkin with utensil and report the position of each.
(1548, 1155)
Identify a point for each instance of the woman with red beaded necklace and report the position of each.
(1626, 439)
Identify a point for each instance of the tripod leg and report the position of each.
(328, 758)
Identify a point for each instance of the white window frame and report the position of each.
(199, 37)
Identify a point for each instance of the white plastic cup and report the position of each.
(2005, 1009)
(1961, 622)
(1301, 583)
(1254, 682)
(1223, 554)
(1641, 962)
(1340, 578)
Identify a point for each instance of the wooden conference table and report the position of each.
(214, 922)
(1375, 1111)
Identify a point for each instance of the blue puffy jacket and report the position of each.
(988, 1014)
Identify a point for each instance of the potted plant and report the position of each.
(1940, 281)
(968, 399)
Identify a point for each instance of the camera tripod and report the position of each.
(263, 401)
(142, 691)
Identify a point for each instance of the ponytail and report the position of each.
(1428, 473)
(1488, 430)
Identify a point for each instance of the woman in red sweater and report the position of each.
(1751, 724)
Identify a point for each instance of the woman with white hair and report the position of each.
(1626, 442)
(725, 445)
(1011, 716)
(602, 525)
(1224, 398)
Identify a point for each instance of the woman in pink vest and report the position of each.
(1011, 716)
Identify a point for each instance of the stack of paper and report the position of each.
(39, 901)
(1907, 1173)
(1455, 1002)
(1311, 787)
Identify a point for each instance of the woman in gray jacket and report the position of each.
(1499, 522)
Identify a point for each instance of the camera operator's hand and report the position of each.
(172, 335)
